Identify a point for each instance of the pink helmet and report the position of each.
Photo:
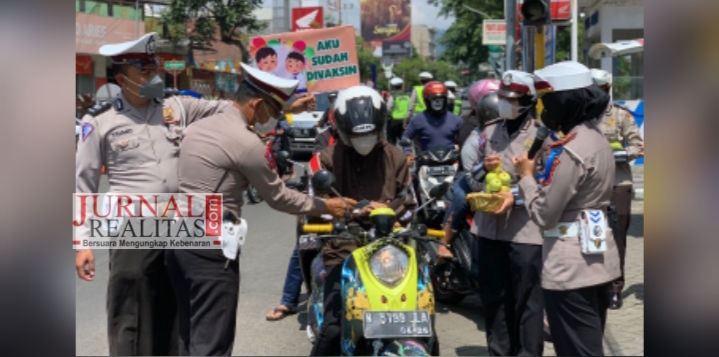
(480, 89)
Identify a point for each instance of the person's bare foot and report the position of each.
(443, 253)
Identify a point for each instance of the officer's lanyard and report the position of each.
(550, 162)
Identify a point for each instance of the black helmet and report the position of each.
(487, 108)
(358, 111)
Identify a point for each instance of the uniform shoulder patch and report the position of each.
(86, 130)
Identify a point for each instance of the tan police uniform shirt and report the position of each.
(133, 145)
(582, 178)
(618, 124)
(514, 226)
(223, 142)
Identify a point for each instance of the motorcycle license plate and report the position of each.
(396, 324)
(441, 170)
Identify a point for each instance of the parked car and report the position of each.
(303, 125)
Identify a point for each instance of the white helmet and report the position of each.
(396, 81)
(426, 75)
(450, 84)
(601, 77)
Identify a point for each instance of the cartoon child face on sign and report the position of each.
(266, 59)
(295, 63)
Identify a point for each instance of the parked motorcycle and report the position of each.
(386, 291)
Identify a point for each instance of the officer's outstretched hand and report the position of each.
(337, 208)
(85, 258)
(507, 204)
(303, 103)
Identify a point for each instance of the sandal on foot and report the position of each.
(282, 314)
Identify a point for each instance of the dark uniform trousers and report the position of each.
(141, 306)
(207, 297)
(577, 319)
(395, 130)
(622, 200)
(511, 293)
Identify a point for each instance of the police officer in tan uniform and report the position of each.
(580, 257)
(224, 154)
(136, 135)
(510, 254)
(621, 130)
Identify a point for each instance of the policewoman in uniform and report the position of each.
(579, 258)
(224, 154)
(416, 101)
(456, 106)
(510, 254)
(397, 106)
(619, 126)
(136, 136)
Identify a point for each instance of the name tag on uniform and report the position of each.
(233, 236)
(593, 232)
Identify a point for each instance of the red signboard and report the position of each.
(83, 65)
(561, 10)
(307, 18)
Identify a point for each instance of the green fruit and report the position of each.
(617, 146)
(505, 178)
(493, 186)
(505, 189)
(491, 176)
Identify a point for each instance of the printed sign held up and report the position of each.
(321, 59)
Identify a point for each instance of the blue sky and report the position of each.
(422, 13)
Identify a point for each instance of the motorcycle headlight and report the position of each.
(389, 265)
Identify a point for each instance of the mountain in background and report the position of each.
(438, 48)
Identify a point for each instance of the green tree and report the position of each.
(564, 42)
(233, 18)
(366, 59)
(463, 40)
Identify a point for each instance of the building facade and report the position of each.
(423, 40)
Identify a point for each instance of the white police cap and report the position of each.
(601, 77)
(279, 89)
(396, 81)
(138, 51)
(426, 75)
(450, 84)
(563, 76)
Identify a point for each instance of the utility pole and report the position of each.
(528, 50)
(575, 31)
(510, 10)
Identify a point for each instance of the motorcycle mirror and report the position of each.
(323, 181)
(439, 191)
(282, 159)
(405, 142)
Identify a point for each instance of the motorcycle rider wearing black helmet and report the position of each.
(367, 168)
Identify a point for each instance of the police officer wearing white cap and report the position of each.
(416, 102)
(397, 107)
(570, 203)
(224, 154)
(621, 130)
(455, 104)
(136, 136)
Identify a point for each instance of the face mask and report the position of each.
(507, 110)
(437, 104)
(267, 127)
(153, 88)
(364, 144)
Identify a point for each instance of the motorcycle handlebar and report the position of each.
(317, 228)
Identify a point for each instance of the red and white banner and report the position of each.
(307, 18)
(83, 65)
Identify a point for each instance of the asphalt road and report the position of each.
(263, 266)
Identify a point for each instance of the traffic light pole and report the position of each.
(528, 50)
(539, 45)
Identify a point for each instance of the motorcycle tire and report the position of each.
(253, 196)
(447, 297)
